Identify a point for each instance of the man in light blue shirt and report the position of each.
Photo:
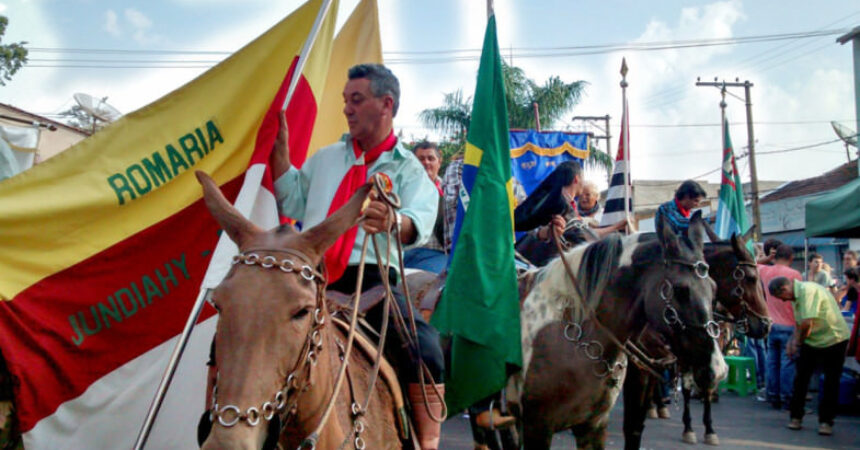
(371, 98)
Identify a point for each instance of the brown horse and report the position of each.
(278, 349)
(740, 295)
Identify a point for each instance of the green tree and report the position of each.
(452, 118)
(12, 56)
(554, 98)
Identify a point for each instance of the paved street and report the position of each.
(741, 423)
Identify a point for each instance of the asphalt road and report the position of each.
(740, 423)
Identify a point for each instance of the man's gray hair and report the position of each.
(382, 81)
(427, 144)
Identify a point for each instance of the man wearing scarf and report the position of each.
(326, 182)
(677, 211)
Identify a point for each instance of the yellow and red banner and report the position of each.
(105, 246)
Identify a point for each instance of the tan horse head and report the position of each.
(270, 319)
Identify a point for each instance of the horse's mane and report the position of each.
(593, 264)
(598, 262)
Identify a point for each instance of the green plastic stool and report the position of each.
(737, 377)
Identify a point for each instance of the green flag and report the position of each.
(479, 310)
(731, 214)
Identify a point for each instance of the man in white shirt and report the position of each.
(328, 179)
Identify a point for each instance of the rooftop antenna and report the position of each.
(98, 108)
(848, 136)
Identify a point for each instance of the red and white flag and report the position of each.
(106, 246)
(619, 198)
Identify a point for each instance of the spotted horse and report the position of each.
(574, 328)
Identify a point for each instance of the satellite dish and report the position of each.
(98, 108)
(847, 135)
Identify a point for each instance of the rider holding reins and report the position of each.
(326, 182)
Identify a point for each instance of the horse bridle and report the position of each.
(670, 315)
(230, 415)
(742, 323)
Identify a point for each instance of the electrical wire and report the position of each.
(446, 56)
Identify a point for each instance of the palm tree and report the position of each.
(554, 98)
(452, 118)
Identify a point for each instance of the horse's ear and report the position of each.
(749, 234)
(322, 236)
(668, 239)
(696, 231)
(739, 245)
(228, 217)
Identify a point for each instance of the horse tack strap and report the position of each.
(588, 308)
(385, 368)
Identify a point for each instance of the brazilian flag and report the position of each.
(479, 310)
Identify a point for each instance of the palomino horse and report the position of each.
(278, 349)
(572, 331)
(740, 294)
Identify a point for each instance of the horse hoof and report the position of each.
(663, 413)
(689, 437)
(712, 439)
(651, 413)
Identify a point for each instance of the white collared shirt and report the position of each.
(306, 194)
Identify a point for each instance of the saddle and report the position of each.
(369, 299)
(425, 289)
(387, 373)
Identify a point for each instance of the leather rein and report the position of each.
(631, 348)
(285, 401)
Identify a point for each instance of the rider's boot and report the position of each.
(493, 418)
(428, 426)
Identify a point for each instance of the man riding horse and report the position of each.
(328, 180)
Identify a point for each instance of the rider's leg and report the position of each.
(428, 400)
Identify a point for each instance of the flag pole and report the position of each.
(176, 355)
(723, 116)
(625, 136)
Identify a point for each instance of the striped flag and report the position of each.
(480, 306)
(106, 246)
(731, 213)
(620, 186)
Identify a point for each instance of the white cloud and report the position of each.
(2, 7)
(140, 24)
(112, 23)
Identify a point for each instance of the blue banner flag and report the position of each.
(534, 154)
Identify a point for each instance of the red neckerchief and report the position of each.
(684, 212)
(438, 184)
(337, 256)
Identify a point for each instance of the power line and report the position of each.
(715, 124)
(445, 56)
(673, 95)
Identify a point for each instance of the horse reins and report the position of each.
(310, 441)
(589, 310)
(670, 314)
(312, 347)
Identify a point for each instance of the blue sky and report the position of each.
(800, 85)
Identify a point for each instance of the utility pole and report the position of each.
(854, 36)
(750, 143)
(607, 136)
